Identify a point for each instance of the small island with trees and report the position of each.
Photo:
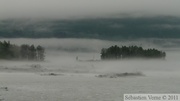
(124, 52)
(24, 52)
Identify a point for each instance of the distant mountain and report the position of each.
(100, 28)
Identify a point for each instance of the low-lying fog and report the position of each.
(61, 55)
(62, 78)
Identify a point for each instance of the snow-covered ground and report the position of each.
(62, 78)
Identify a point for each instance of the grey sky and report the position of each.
(86, 8)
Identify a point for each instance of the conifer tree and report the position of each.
(40, 53)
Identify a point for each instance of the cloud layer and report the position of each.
(86, 8)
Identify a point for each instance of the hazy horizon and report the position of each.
(75, 62)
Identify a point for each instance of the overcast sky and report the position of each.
(87, 8)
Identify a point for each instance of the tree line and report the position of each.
(23, 52)
(115, 52)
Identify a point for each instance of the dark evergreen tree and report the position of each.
(32, 53)
(40, 53)
(5, 50)
(16, 54)
(25, 52)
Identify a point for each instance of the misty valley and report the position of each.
(76, 69)
(89, 50)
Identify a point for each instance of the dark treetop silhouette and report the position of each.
(23, 52)
(124, 52)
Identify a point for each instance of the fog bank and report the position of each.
(61, 56)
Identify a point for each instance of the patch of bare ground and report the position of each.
(116, 75)
(52, 74)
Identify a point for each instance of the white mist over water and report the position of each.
(61, 54)
(77, 80)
